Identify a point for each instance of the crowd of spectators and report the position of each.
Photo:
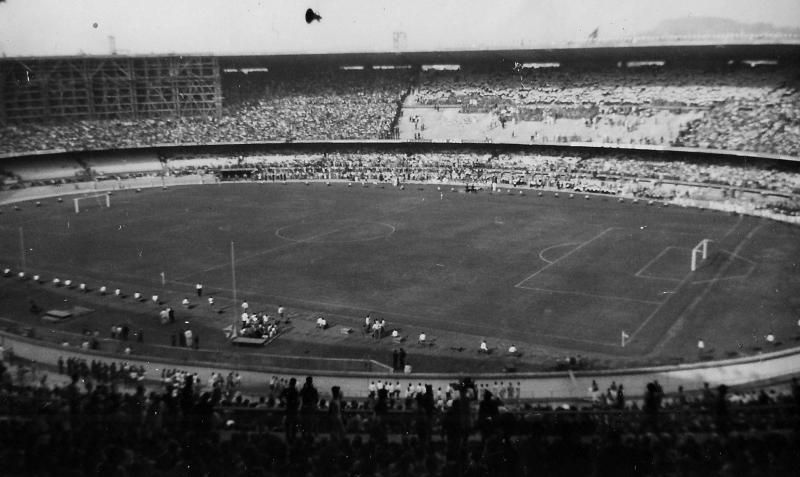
(770, 123)
(769, 184)
(101, 372)
(739, 108)
(620, 173)
(590, 89)
(742, 108)
(91, 429)
(323, 105)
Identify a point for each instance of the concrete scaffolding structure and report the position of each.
(97, 88)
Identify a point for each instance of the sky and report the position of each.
(66, 27)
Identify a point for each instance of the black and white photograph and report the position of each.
(390, 238)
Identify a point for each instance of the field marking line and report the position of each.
(566, 244)
(647, 265)
(663, 279)
(592, 295)
(702, 295)
(730, 230)
(673, 293)
(731, 277)
(258, 254)
(347, 226)
(736, 255)
(518, 285)
(721, 279)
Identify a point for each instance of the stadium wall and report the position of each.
(553, 386)
(425, 146)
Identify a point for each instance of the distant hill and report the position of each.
(714, 26)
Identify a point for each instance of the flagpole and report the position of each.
(233, 277)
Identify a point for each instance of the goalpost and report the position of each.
(701, 250)
(97, 197)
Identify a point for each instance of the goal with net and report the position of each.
(103, 200)
(699, 253)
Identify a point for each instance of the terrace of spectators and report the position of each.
(711, 106)
(82, 426)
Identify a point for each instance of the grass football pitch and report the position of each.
(535, 270)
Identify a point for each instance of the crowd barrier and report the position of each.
(777, 366)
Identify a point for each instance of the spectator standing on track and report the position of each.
(309, 398)
(199, 289)
(282, 313)
(291, 398)
(425, 406)
(488, 414)
(335, 415)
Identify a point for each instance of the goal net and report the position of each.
(102, 200)
(699, 253)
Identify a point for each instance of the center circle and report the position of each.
(335, 231)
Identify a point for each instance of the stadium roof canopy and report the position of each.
(585, 54)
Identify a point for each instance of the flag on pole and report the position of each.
(230, 331)
(625, 336)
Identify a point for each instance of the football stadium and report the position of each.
(573, 257)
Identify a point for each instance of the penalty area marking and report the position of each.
(731, 277)
(544, 250)
(640, 273)
(698, 298)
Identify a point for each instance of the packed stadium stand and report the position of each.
(322, 105)
(82, 424)
(640, 105)
(737, 108)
